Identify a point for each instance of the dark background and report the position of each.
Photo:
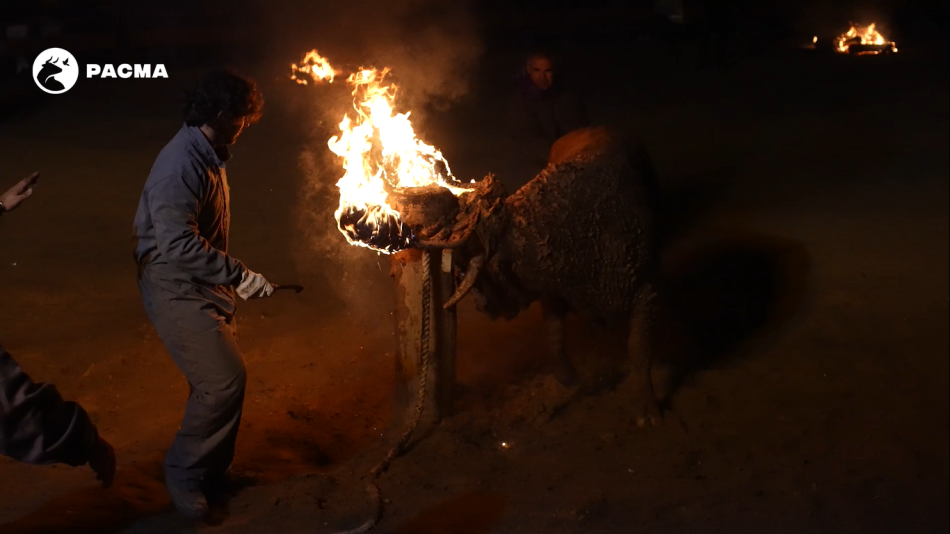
(803, 343)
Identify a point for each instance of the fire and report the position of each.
(379, 151)
(867, 36)
(316, 66)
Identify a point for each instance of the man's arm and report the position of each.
(173, 203)
(36, 425)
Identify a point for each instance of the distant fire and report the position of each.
(861, 40)
(379, 151)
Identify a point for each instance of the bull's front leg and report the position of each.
(640, 344)
(555, 315)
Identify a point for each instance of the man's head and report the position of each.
(225, 103)
(540, 68)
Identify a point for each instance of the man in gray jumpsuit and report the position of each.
(186, 278)
(36, 425)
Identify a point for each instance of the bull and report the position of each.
(579, 238)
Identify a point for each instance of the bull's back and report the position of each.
(585, 142)
(582, 226)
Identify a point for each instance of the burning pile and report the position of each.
(380, 154)
(862, 40)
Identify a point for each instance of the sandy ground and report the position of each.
(804, 368)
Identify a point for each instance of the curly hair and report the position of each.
(223, 91)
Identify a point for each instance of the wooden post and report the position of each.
(421, 208)
(407, 270)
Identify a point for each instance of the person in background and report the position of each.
(540, 111)
(36, 425)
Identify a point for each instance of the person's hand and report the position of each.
(18, 193)
(254, 286)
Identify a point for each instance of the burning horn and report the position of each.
(471, 274)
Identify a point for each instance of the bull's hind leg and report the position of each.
(554, 322)
(640, 345)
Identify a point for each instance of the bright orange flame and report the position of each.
(316, 66)
(858, 34)
(379, 151)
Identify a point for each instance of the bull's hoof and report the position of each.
(566, 375)
(648, 413)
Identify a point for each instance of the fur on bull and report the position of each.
(578, 237)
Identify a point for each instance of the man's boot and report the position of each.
(188, 499)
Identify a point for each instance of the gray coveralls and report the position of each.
(186, 279)
(36, 425)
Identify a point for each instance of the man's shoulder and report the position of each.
(179, 158)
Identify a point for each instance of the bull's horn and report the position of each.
(471, 274)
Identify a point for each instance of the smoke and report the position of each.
(431, 47)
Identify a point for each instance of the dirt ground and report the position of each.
(803, 352)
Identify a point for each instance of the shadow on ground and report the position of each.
(722, 290)
(138, 492)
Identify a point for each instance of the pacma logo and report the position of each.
(126, 71)
(56, 70)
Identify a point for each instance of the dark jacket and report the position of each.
(537, 118)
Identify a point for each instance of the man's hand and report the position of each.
(18, 193)
(254, 286)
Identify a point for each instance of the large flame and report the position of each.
(379, 151)
(864, 35)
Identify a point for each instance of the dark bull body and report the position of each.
(578, 237)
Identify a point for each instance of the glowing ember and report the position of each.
(866, 39)
(379, 151)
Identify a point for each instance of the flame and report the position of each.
(379, 151)
(858, 34)
(316, 66)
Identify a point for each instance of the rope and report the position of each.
(372, 488)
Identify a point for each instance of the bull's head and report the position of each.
(47, 71)
(482, 259)
(50, 67)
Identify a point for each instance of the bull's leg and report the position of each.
(640, 344)
(554, 321)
